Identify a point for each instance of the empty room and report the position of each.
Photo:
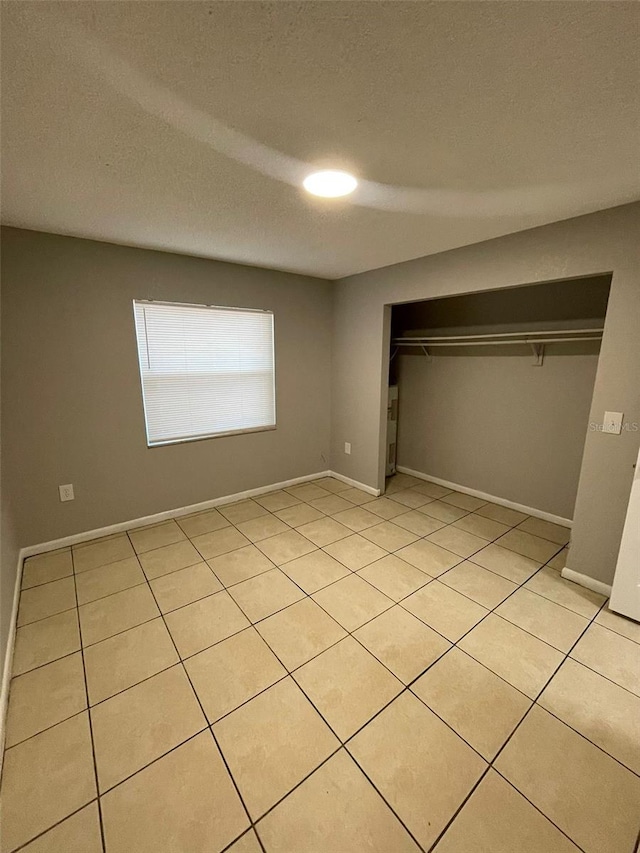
(320, 427)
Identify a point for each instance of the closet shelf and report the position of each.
(536, 340)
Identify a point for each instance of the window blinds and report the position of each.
(205, 371)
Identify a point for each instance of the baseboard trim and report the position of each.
(8, 657)
(177, 512)
(586, 581)
(370, 490)
(529, 510)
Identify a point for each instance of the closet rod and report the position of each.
(503, 338)
(430, 342)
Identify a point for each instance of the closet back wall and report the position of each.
(498, 424)
(72, 404)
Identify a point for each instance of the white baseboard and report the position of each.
(586, 581)
(529, 510)
(8, 657)
(370, 490)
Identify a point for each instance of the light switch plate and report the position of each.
(347, 447)
(613, 422)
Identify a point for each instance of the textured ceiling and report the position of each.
(188, 126)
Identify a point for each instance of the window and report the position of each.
(205, 371)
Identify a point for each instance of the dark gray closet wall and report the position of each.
(486, 417)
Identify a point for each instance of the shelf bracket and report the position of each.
(538, 354)
(425, 350)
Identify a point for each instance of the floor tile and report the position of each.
(202, 522)
(546, 530)
(219, 542)
(335, 809)
(593, 799)
(620, 624)
(357, 497)
(79, 833)
(45, 696)
(447, 611)
(355, 552)
(389, 536)
(443, 512)
(300, 632)
(205, 622)
(428, 557)
(285, 546)
(482, 708)
(512, 566)
(503, 514)
(232, 672)
(403, 643)
(394, 577)
(433, 490)
(295, 516)
(262, 527)
(606, 714)
(386, 508)
(560, 560)
(182, 587)
(46, 600)
(410, 498)
(247, 844)
(308, 492)
(265, 594)
(408, 753)
(134, 728)
(184, 801)
(529, 546)
(101, 552)
(98, 583)
(170, 558)
(274, 501)
(314, 571)
(418, 523)
(548, 621)
(46, 778)
(324, 531)
(127, 658)
(611, 655)
(347, 685)
(46, 641)
(464, 501)
(331, 504)
(549, 584)
(272, 743)
(352, 601)
(45, 568)
(482, 527)
(524, 661)
(357, 518)
(459, 541)
(239, 565)
(497, 819)
(484, 587)
(331, 484)
(156, 536)
(241, 511)
(115, 613)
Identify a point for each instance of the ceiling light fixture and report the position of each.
(330, 183)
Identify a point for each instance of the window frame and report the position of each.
(206, 436)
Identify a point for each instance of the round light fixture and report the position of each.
(330, 183)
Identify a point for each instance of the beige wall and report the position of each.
(496, 423)
(72, 407)
(598, 243)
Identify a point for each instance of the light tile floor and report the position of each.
(320, 670)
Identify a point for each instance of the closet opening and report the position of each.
(490, 392)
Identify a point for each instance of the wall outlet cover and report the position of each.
(66, 492)
(613, 422)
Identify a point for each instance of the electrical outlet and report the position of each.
(612, 422)
(66, 492)
(347, 447)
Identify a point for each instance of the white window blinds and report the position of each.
(205, 371)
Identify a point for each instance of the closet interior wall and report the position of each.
(486, 417)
